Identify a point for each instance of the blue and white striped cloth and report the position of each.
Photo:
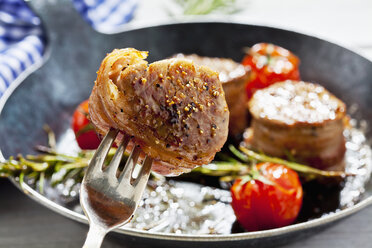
(22, 42)
(23, 39)
(106, 15)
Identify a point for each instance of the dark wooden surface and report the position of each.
(25, 223)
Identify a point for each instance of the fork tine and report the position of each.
(115, 162)
(126, 174)
(99, 156)
(144, 173)
(141, 181)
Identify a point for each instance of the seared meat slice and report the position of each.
(299, 118)
(234, 77)
(175, 110)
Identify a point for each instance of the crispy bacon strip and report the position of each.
(175, 110)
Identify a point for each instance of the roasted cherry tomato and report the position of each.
(270, 200)
(85, 134)
(270, 64)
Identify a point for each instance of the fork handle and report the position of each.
(95, 237)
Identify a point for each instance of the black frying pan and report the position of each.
(50, 94)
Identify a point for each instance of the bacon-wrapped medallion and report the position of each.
(301, 119)
(175, 110)
(234, 78)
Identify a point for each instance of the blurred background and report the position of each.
(345, 21)
(23, 40)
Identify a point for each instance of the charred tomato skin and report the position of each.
(270, 64)
(85, 134)
(260, 206)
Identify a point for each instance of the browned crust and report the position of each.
(318, 142)
(175, 110)
(277, 105)
(234, 77)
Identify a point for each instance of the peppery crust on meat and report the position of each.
(301, 119)
(234, 77)
(175, 110)
(296, 103)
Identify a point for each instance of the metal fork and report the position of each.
(107, 200)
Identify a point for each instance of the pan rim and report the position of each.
(185, 237)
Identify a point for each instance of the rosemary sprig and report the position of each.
(50, 165)
(59, 167)
(230, 169)
(221, 169)
(251, 155)
(51, 137)
(204, 7)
